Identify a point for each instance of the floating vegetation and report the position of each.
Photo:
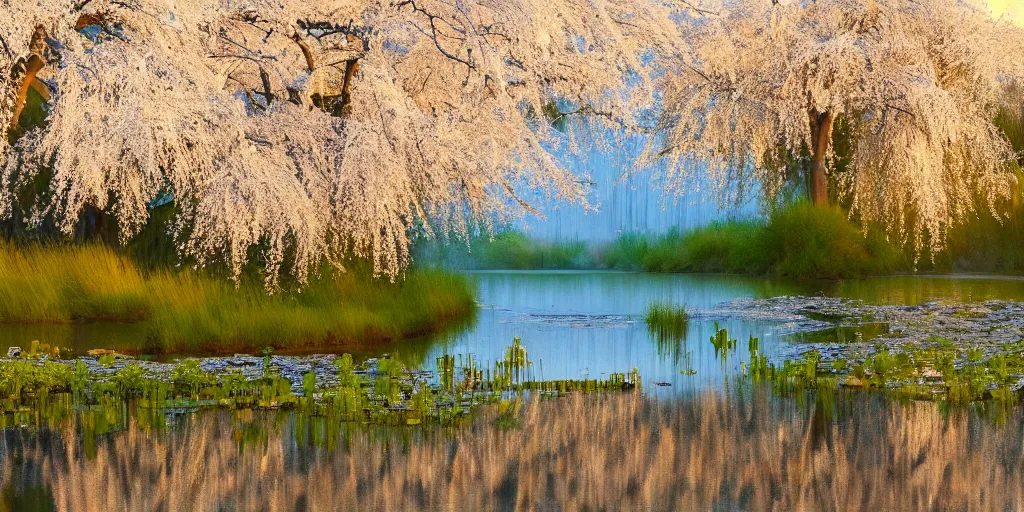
(379, 391)
(687, 364)
(939, 370)
(949, 352)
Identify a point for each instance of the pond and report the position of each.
(694, 438)
(579, 324)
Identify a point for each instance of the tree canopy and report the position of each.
(310, 129)
(917, 85)
(320, 130)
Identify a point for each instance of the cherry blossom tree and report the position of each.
(312, 129)
(915, 85)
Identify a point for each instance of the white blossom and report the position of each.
(325, 128)
(917, 83)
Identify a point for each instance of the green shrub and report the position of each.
(799, 240)
(808, 241)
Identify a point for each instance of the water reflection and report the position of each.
(741, 449)
(912, 290)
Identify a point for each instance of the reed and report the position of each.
(669, 319)
(799, 240)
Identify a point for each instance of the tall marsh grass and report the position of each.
(186, 311)
(799, 240)
(667, 318)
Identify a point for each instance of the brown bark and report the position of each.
(821, 133)
(307, 54)
(350, 70)
(32, 66)
(86, 20)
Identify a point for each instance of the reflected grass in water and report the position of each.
(745, 449)
(854, 333)
(667, 319)
(668, 324)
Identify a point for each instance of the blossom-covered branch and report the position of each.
(314, 129)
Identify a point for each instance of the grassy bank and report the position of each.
(185, 311)
(796, 241)
(507, 250)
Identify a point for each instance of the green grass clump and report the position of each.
(668, 319)
(186, 311)
(807, 241)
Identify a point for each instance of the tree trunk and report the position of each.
(821, 133)
(32, 67)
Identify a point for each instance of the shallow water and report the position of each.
(578, 324)
(692, 441)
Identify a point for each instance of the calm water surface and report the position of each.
(579, 324)
(694, 442)
(591, 323)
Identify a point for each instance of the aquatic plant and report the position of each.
(378, 390)
(937, 370)
(667, 318)
(722, 342)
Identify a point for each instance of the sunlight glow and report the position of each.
(1011, 9)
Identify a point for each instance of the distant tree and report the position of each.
(310, 128)
(916, 85)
